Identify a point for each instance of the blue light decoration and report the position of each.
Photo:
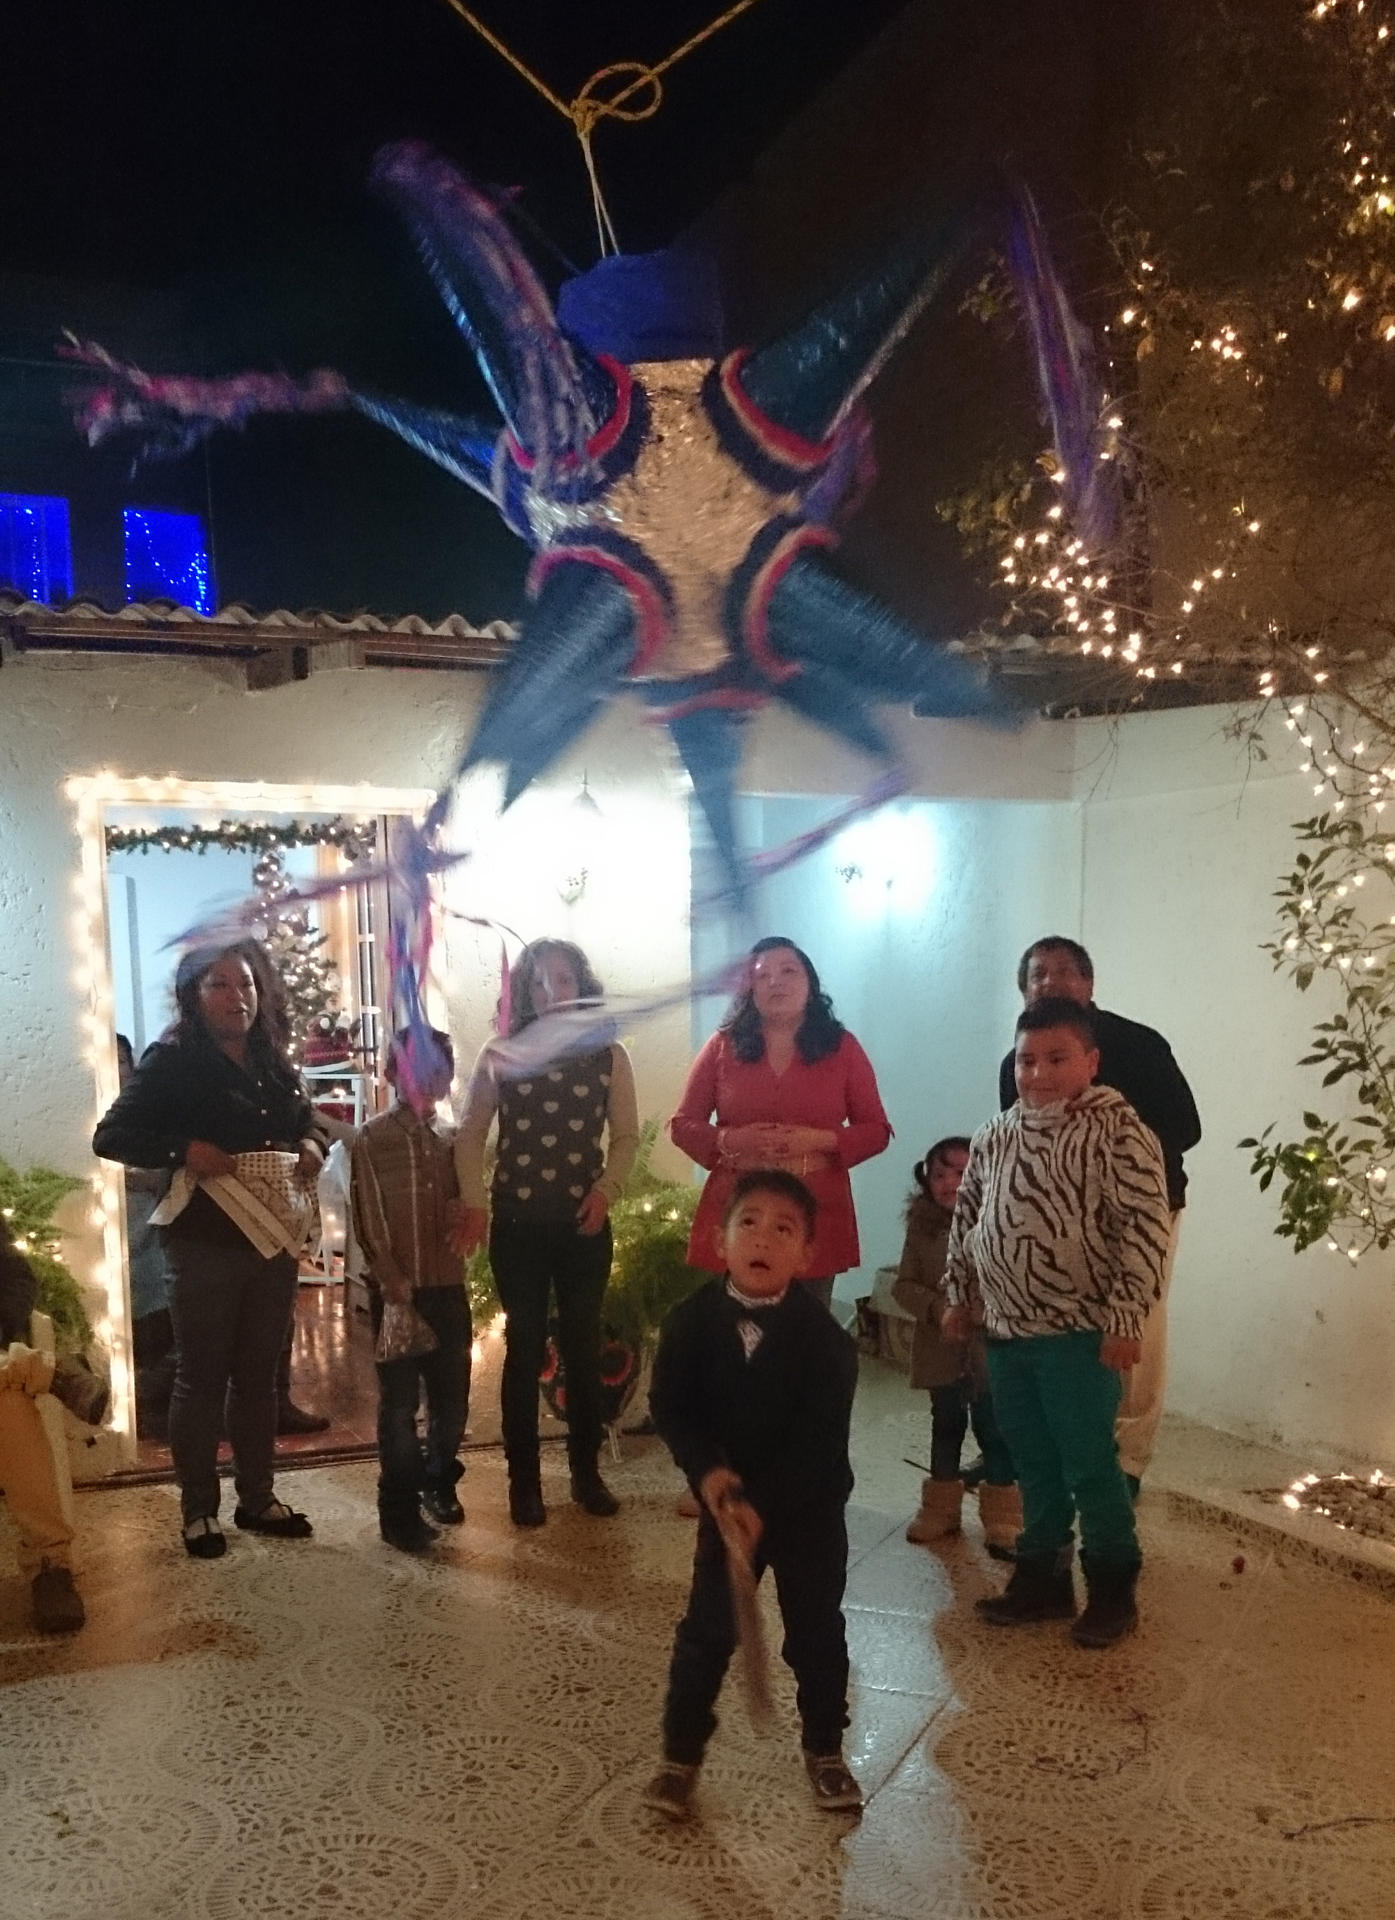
(36, 550)
(167, 558)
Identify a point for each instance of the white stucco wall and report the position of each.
(1183, 843)
(1152, 841)
(1157, 842)
(60, 718)
(912, 949)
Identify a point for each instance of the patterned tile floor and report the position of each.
(328, 1728)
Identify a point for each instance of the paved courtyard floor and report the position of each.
(330, 1729)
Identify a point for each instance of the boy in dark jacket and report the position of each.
(753, 1390)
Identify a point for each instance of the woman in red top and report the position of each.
(782, 1083)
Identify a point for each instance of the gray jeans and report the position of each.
(230, 1310)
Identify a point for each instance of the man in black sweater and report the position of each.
(753, 1390)
(1137, 1062)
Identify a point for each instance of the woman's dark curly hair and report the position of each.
(820, 1031)
(270, 1035)
(524, 972)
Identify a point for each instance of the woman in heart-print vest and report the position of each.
(566, 1141)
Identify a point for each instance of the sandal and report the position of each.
(204, 1538)
(275, 1518)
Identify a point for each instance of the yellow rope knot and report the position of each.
(588, 108)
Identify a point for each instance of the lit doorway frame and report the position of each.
(90, 942)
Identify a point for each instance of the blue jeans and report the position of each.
(1056, 1403)
(405, 1466)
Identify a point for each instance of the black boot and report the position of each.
(289, 1417)
(526, 1507)
(1040, 1589)
(440, 1500)
(1110, 1609)
(293, 1419)
(592, 1494)
(402, 1526)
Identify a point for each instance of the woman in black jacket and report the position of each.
(218, 1084)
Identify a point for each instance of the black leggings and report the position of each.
(531, 1261)
(952, 1408)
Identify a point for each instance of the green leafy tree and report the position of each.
(1246, 300)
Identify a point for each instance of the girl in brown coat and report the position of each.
(953, 1370)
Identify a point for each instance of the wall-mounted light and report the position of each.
(888, 860)
(578, 837)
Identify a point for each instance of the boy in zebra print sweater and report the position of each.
(1057, 1247)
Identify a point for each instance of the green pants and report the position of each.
(1056, 1404)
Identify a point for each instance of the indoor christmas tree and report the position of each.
(297, 951)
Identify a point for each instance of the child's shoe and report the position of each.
(671, 1790)
(938, 1518)
(526, 1507)
(440, 1499)
(835, 1790)
(1000, 1514)
(1110, 1608)
(593, 1496)
(408, 1532)
(443, 1506)
(1038, 1590)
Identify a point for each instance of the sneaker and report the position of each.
(410, 1534)
(526, 1507)
(671, 1790)
(58, 1605)
(443, 1508)
(835, 1790)
(592, 1495)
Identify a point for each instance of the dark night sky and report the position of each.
(213, 154)
(153, 138)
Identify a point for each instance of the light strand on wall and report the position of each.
(92, 795)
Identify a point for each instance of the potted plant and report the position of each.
(28, 1202)
(650, 1222)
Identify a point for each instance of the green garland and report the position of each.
(256, 836)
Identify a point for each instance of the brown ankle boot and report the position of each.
(938, 1518)
(1000, 1514)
